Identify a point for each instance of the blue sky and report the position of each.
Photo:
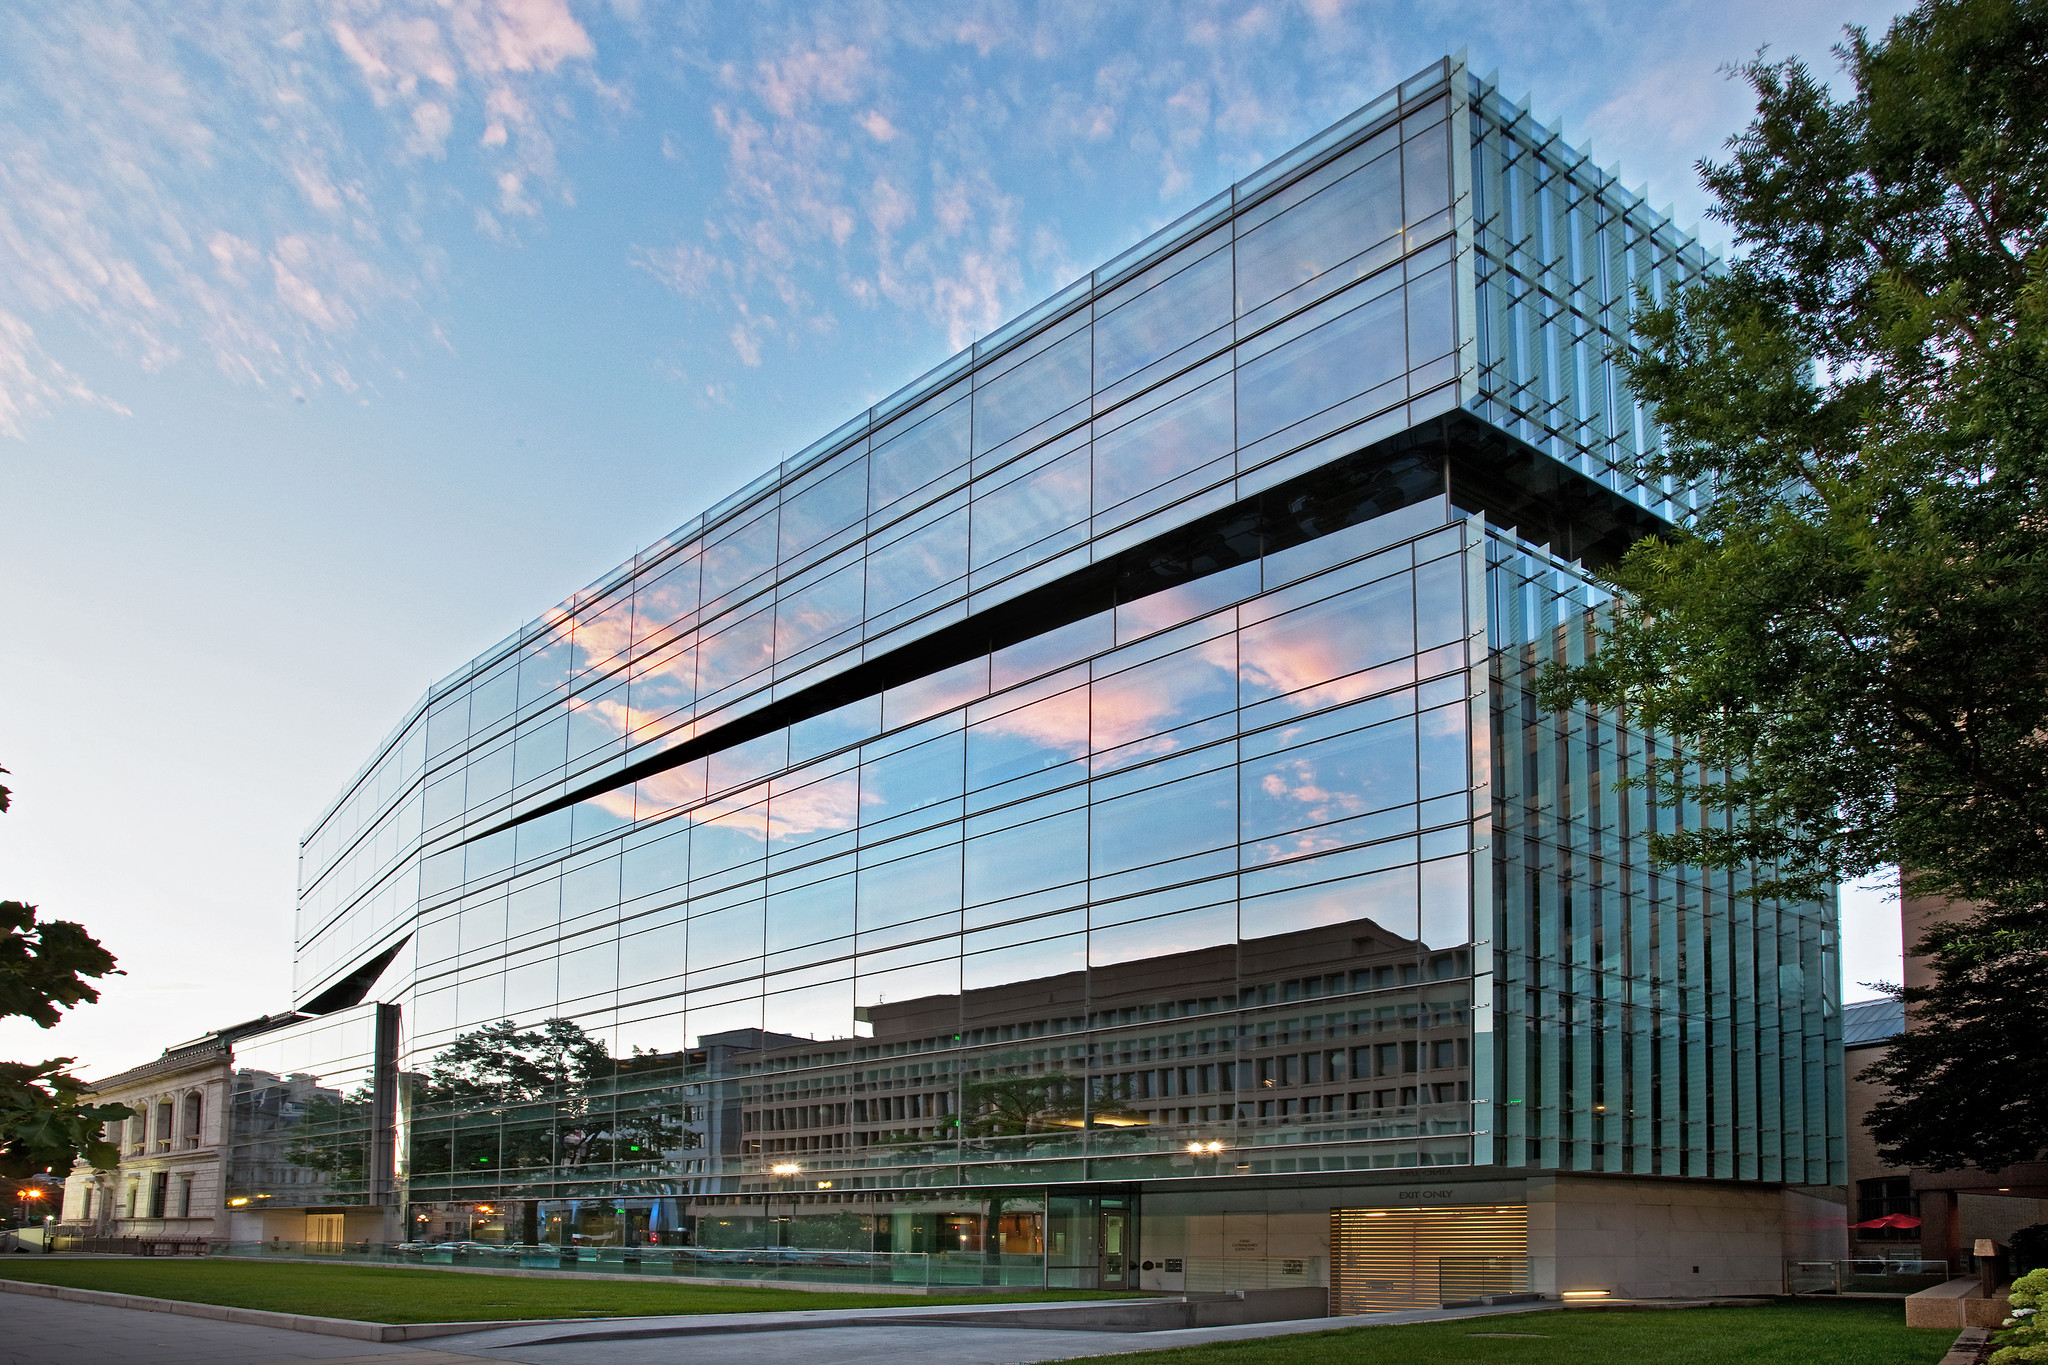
(339, 337)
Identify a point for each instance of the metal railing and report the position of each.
(1867, 1276)
(1470, 1279)
(130, 1246)
(767, 1265)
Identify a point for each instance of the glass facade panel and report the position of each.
(1110, 761)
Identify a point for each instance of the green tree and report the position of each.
(529, 1097)
(502, 1063)
(45, 1120)
(1851, 636)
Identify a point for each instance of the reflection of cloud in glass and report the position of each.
(603, 640)
(610, 711)
(1316, 653)
(1306, 670)
(1294, 780)
(662, 684)
(1385, 898)
(1137, 704)
(819, 808)
(659, 605)
(1058, 723)
(739, 651)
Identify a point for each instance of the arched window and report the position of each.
(166, 1115)
(194, 1107)
(138, 1138)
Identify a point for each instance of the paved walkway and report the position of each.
(756, 1338)
(37, 1331)
(54, 1332)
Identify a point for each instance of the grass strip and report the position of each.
(396, 1294)
(1793, 1332)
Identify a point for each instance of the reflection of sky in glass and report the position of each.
(1319, 799)
(1302, 247)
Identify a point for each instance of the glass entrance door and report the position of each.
(1116, 1224)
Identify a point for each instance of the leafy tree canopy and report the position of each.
(1851, 636)
(45, 1122)
(1856, 624)
(502, 1063)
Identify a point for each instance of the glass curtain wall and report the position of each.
(1072, 773)
(1658, 1021)
(310, 1118)
(1560, 253)
(1182, 888)
(1300, 315)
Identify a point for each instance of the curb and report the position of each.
(290, 1322)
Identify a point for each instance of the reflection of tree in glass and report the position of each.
(1007, 1106)
(329, 1136)
(502, 1063)
(548, 1091)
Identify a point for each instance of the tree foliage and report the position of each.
(502, 1063)
(45, 1121)
(504, 1097)
(1852, 634)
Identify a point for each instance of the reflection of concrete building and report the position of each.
(1094, 801)
(312, 1125)
(1877, 1190)
(171, 1181)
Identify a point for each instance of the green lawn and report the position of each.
(1854, 1332)
(394, 1294)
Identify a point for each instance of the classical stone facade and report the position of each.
(170, 1180)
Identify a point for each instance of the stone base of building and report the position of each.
(1434, 1238)
(317, 1226)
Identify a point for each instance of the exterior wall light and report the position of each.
(1584, 1294)
(786, 1168)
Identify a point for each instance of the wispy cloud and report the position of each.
(269, 189)
(244, 185)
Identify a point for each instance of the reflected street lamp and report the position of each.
(788, 1171)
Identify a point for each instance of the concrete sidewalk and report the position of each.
(892, 1338)
(44, 1331)
(37, 1331)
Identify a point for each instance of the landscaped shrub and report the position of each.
(2025, 1339)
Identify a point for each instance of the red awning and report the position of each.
(1891, 1220)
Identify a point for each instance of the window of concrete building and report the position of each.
(134, 1191)
(166, 1115)
(185, 1196)
(1881, 1197)
(85, 1208)
(194, 1110)
(159, 1193)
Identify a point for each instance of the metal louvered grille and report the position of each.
(1385, 1259)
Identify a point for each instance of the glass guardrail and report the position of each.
(762, 1264)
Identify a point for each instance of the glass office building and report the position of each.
(1088, 813)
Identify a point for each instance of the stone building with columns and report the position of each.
(170, 1179)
